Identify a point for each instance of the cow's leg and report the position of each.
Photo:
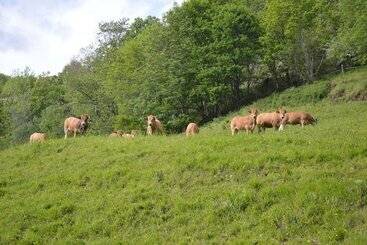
(234, 131)
(258, 128)
(302, 123)
(149, 130)
(66, 133)
(74, 133)
(281, 127)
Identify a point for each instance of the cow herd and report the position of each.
(277, 120)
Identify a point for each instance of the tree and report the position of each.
(296, 35)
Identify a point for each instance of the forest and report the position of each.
(201, 60)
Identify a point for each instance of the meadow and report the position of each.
(302, 185)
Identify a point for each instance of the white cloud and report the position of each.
(46, 36)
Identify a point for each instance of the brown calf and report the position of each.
(76, 125)
(154, 125)
(37, 137)
(192, 129)
(246, 123)
(271, 120)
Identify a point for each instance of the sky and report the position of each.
(46, 34)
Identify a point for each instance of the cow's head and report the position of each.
(253, 113)
(151, 120)
(119, 132)
(85, 122)
(281, 112)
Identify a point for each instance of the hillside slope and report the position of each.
(300, 185)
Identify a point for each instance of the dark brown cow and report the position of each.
(154, 125)
(76, 125)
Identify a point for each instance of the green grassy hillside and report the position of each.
(297, 186)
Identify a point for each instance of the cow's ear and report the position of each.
(285, 111)
(249, 111)
(277, 111)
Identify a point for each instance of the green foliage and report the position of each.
(4, 117)
(25, 98)
(350, 45)
(86, 94)
(189, 68)
(203, 59)
(297, 186)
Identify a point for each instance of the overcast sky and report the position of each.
(46, 34)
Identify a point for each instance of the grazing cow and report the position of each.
(192, 129)
(271, 120)
(154, 125)
(128, 136)
(117, 133)
(301, 118)
(37, 137)
(135, 132)
(76, 125)
(247, 123)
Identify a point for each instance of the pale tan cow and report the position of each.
(154, 125)
(128, 136)
(76, 125)
(192, 129)
(131, 135)
(247, 123)
(37, 137)
(117, 133)
(299, 117)
(271, 120)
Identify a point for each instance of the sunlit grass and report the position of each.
(301, 185)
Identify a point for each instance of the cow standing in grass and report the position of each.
(37, 137)
(247, 123)
(298, 117)
(192, 129)
(271, 120)
(74, 125)
(154, 125)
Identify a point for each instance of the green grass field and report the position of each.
(297, 186)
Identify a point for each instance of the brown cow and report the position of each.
(37, 137)
(154, 125)
(271, 120)
(192, 129)
(76, 125)
(301, 118)
(247, 123)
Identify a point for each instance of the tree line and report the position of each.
(201, 60)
